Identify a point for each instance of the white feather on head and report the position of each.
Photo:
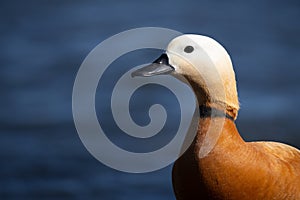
(208, 68)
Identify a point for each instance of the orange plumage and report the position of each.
(236, 169)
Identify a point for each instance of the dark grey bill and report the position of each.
(158, 67)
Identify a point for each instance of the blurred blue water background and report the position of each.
(44, 42)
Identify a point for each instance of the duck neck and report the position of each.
(206, 111)
(228, 103)
(216, 132)
(227, 154)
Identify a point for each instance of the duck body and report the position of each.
(219, 164)
(237, 170)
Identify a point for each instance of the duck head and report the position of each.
(205, 65)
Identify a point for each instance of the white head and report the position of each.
(204, 64)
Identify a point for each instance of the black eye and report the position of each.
(188, 49)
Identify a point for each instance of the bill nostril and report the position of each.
(163, 59)
(158, 67)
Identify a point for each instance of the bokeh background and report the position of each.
(44, 42)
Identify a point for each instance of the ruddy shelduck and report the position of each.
(219, 164)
